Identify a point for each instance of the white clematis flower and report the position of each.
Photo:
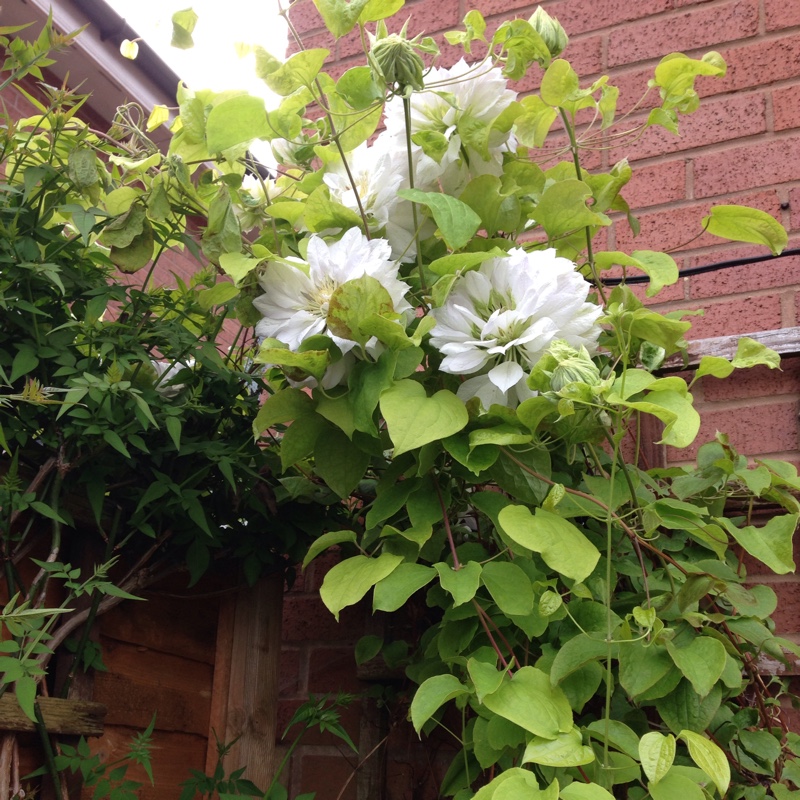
(375, 178)
(500, 320)
(452, 96)
(297, 293)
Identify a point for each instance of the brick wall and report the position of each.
(741, 146)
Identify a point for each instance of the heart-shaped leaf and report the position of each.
(414, 419)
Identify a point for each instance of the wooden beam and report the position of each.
(785, 341)
(245, 695)
(73, 717)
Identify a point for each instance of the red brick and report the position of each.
(667, 295)
(702, 27)
(521, 8)
(754, 430)
(794, 205)
(289, 678)
(306, 619)
(747, 278)
(787, 614)
(655, 184)
(765, 163)
(312, 41)
(745, 314)
(430, 18)
(716, 121)
(578, 16)
(350, 45)
(326, 775)
(678, 228)
(759, 63)
(305, 17)
(333, 669)
(786, 107)
(780, 14)
(755, 382)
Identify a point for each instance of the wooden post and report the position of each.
(244, 702)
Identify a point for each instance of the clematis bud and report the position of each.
(574, 366)
(398, 60)
(549, 28)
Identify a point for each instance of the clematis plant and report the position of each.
(447, 368)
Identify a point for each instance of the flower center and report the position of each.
(318, 299)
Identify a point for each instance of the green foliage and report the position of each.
(586, 628)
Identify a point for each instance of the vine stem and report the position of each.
(407, 118)
(482, 616)
(573, 146)
(447, 528)
(635, 538)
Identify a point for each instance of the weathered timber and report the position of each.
(73, 717)
(785, 341)
(245, 694)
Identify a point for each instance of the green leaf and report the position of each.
(300, 70)
(461, 262)
(183, 23)
(236, 121)
(770, 544)
(339, 462)
(701, 662)
(509, 587)
(675, 786)
(750, 353)
(238, 265)
(82, 167)
(562, 208)
(347, 582)
(114, 439)
(566, 750)
(300, 437)
(325, 541)
(585, 791)
(532, 702)
(25, 690)
(562, 546)
(532, 126)
(683, 709)
(432, 694)
(356, 300)
(710, 758)
(457, 222)
(138, 253)
(340, 16)
(283, 406)
(515, 783)
(359, 88)
(314, 362)
(217, 295)
(486, 677)
(321, 212)
(394, 590)
(462, 583)
(642, 667)
(743, 224)
(714, 366)
(376, 10)
(498, 211)
(576, 653)
(656, 752)
(413, 419)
